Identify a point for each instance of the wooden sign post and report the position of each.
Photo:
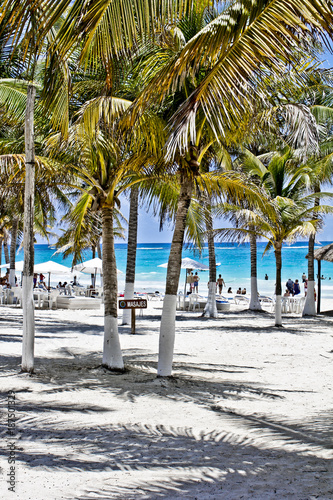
(133, 304)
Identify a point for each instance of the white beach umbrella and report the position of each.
(92, 266)
(18, 266)
(52, 267)
(189, 265)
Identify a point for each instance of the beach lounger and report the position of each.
(239, 299)
(71, 302)
(265, 298)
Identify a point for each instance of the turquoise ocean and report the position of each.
(233, 264)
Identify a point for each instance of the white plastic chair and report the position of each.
(17, 296)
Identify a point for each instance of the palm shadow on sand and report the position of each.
(180, 461)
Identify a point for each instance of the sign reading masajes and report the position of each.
(133, 304)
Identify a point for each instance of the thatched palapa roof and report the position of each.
(324, 253)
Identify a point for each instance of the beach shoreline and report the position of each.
(246, 414)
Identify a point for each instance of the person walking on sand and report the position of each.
(220, 283)
(196, 280)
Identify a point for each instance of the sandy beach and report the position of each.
(246, 415)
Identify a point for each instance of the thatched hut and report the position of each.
(322, 253)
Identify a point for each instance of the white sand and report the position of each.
(247, 415)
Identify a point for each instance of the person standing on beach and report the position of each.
(290, 286)
(297, 289)
(190, 280)
(196, 282)
(220, 283)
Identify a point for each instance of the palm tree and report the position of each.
(106, 166)
(288, 211)
(24, 25)
(131, 251)
(320, 92)
(237, 50)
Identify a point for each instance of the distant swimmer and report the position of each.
(266, 277)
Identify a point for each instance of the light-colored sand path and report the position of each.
(247, 415)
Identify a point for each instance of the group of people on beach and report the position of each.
(293, 287)
(4, 281)
(193, 281)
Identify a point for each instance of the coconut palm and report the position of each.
(24, 25)
(84, 232)
(191, 182)
(318, 96)
(237, 50)
(288, 213)
(106, 165)
(131, 251)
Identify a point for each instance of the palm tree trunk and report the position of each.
(6, 248)
(13, 242)
(112, 357)
(1, 241)
(28, 237)
(167, 328)
(254, 302)
(92, 275)
(210, 308)
(310, 303)
(278, 289)
(131, 252)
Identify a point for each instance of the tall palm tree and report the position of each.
(106, 165)
(318, 96)
(25, 27)
(131, 251)
(288, 211)
(237, 49)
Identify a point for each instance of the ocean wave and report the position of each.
(150, 248)
(295, 248)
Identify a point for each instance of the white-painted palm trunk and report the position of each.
(28, 237)
(112, 357)
(167, 336)
(310, 303)
(210, 308)
(12, 277)
(28, 341)
(128, 294)
(278, 311)
(254, 302)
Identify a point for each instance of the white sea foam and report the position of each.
(296, 248)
